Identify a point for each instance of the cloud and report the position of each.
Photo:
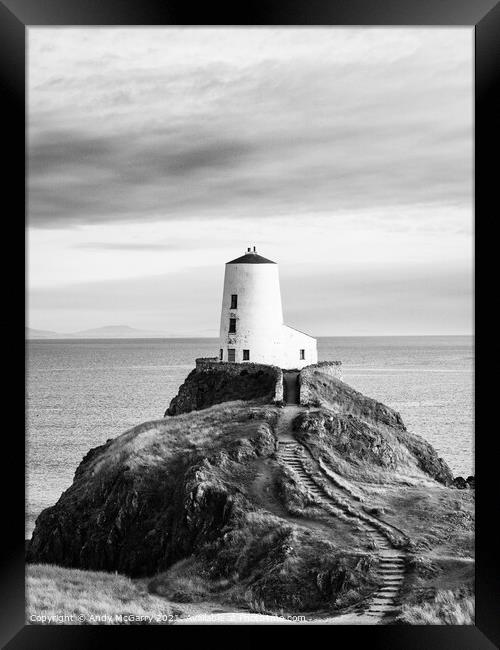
(157, 154)
(130, 246)
(282, 131)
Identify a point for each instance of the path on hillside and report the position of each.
(340, 502)
(291, 407)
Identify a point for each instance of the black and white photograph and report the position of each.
(250, 352)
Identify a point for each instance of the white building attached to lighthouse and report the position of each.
(251, 327)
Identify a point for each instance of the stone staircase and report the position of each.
(391, 567)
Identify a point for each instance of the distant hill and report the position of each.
(40, 334)
(116, 332)
(107, 332)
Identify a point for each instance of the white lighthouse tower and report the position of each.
(251, 326)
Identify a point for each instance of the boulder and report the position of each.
(459, 482)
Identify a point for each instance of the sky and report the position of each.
(155, 155)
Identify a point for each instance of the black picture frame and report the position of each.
(482, 15)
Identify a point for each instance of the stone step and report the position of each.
(383, 599)
(391, 568)
(390, 572)
(391, 580)
(382, 608)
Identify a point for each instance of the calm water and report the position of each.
(80, 393)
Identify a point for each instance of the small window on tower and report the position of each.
(302, 354)
(234, 301)
(231, 355)
(221, 354)
(246, 355)
(232, 325)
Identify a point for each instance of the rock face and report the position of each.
(461, 483)
(190, 488)
(471, 482)
(149, 497)
(213, 382)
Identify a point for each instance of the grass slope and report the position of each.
(446, 607)
(198, 506)
(70, 596)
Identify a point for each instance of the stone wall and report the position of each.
(213, 382)
(307, 387)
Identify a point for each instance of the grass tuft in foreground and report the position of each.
(70, 596)
(447, 607)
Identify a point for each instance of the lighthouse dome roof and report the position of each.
(251, 257)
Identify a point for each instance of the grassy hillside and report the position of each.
(190, 487)
(198, 506)
(71, 597)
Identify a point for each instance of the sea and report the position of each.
(82, 392)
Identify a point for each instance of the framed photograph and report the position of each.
(252, 385)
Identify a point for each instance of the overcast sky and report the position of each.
(157, 155)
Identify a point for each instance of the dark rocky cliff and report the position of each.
(216, 382)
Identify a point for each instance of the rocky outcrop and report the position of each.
(461, 483)
(361, 450)
(154, 494)
(361, 436)
(213, 382)
(191, 487)
(320, 385)
(181, 488)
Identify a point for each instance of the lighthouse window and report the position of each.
(246, 355)
(234, 301)
(302, 354)
(231, 355)
(221, 354)
(232, 325)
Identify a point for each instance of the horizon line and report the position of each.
(215, 338)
